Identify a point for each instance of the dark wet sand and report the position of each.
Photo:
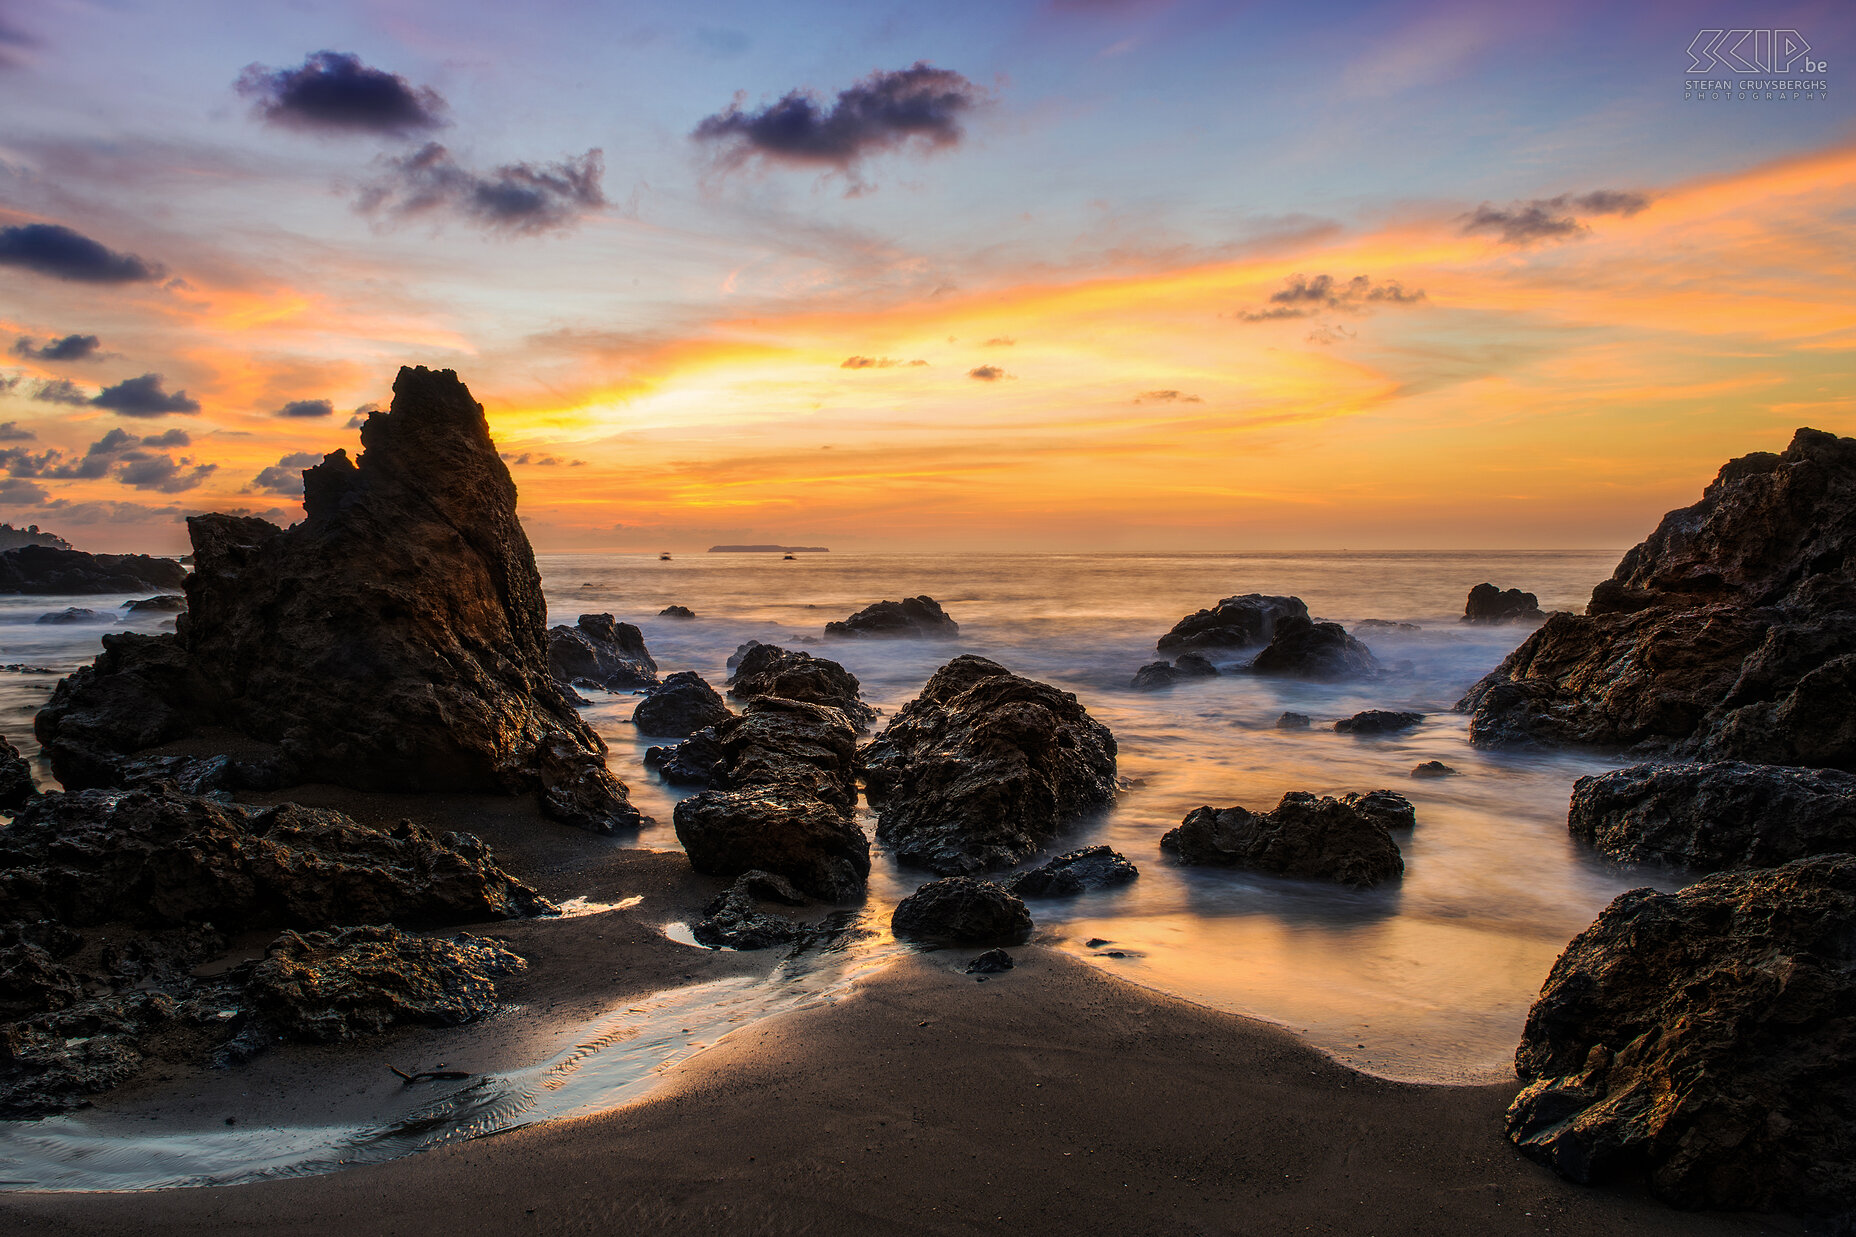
(1051, 1099)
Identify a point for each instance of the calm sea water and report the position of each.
(1430, 979)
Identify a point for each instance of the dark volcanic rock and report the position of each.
(1729, 634)
(676, 612)
(165, 603)
(1302, 649)
(1234, 623)
(1377, 721)
(1434, 768)
(1292, 721)
(680, 707)
(46, 571)
(1195, 666)
(393, 640)
(1305, 836)
(984, 768)
(333, 986)
(783, 829)
(741, 650)
(697, 761)
(1388, 807)
(16, 785)
(962, 911)
(992, 962)
(1717, 815)
(735, 921)
(912, 618)
(786, 790)
(601, 652)
(1488, 604)
(1154, 676)
(1706, 1037)
(158, 859)
(1093, 867)
(74, 614)
(1366, 625)
(769, 670)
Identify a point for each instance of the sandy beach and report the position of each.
(1053, 1098)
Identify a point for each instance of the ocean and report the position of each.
(1428, 979)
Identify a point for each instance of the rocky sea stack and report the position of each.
(1729, 634)
(395, 639)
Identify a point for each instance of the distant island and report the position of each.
(769, 549)
(14, 538)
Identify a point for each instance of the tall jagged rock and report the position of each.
(1728, 634)
(395, 639)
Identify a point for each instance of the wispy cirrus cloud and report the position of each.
(1302, 296)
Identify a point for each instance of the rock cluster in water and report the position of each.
(1488, 604)
(1158, 674)
(912, 618)
(1715, 816)
(783, 800)
(1304, 649)
(1729, 634)
(395, 639)
(1077, 871)
(769, 670)
(46, 571)
(601, 653)
(1378, 721)
(1346, 841)
(1241, 622)
(680, 706)
(984, 768)
(1706, 1038)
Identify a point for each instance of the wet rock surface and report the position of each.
(73, 615)
(912, 618)
(1704, 1038)
(676, 612)
(680, 706)
(1728, 634)
(785, 793)
(1378, 721)
(769, 670)
(1303, 649)
(735, 920)
(393, 640)
(46, 571)
(1386, 807)
(165, 603)
(1154, 676)
(1715, 816)
(984, 768)
(599, 651)
(959, 910)
(16, 784)
(992, 962)
(1315, 838)
(333, 986)
(1078, 871)
(697, 761)
(1434, 768)
(1488, 604)
(1242, 622)
(161, 859)
(1293, 721)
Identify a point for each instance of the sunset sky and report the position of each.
(1058, 274)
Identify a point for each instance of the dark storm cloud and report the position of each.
(333, 92)
(875, 362)
(517, 197)
(1166, 397)
(988, 373)
(169, 438)
(55, 250)
(70, 348)
(143, 397)
(10, 432)
(117, 454)
(1303, 296)
(59, 391)
(286, 475)
(22, 493)
(306, 408)
(919, 105)
(1551, 219)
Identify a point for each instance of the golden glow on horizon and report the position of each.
(1563, 387)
